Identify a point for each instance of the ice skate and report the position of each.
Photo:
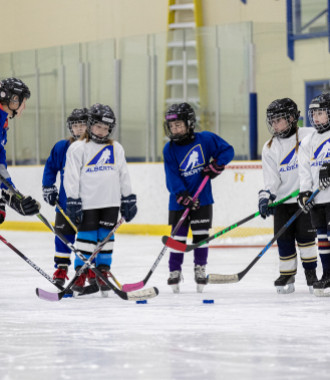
(311, 278)
(174, 280)
(60, 275)
(102, 285)
(285, 284)
(200, 277)
(78, 285)
(322, 287)
(91, 277)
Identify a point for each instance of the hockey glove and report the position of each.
(128, 207)
(303, 198)
(324, 176)
(213, 169)
(265, 197)
(2, 211)
(24, 206)
(185, 200)
(74, 210)
(50, 194)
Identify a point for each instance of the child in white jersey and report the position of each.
(314, 172)
(280, 171)
(97, 184)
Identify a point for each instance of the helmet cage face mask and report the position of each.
(180, 112)
(70, 124)
(13, 90)
(314, 110)
(106, 121)
(77, 116)
(275, 118)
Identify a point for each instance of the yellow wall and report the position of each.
(43, 23)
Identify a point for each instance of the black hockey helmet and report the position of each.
(318, 105)
(183, 112)
(10, 89)
(286, 109)
(77, 116)
(99, 113)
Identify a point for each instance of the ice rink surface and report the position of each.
(250, 332)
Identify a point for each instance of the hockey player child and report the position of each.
(77, 124)
(13, 96)
(189, 156)
(314, 172)
(281, 177)
(97, 184)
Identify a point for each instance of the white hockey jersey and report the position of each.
(315, 149)
(280, 165)
(96, 173)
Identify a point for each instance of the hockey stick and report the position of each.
(232, 278)
(59, 234)
(141, 284)
(75, 229)
(66, 217)
(174, 244)
(34, 266)
(87, 263)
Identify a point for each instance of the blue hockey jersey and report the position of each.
(184, 164)
(54, 164)
(3, 142)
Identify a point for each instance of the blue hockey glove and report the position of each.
(302, 199)
(50, 194)
(24, 205)
(74, 210)
(213, 169)
(128, 207)
(185, 200)
(265, 197)
(2, 211)
(324, 176)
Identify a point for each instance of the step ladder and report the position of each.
(184, 80)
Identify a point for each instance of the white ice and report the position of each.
(250, 332)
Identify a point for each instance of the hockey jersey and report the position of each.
(315, 149)
(184, 163)
(3, 142)
(54, 164)
(96, 173)
(280, 165)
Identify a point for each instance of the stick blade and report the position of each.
(49, 296)
(222, 278)
(174, 244)
(133, 287)
(142, 295)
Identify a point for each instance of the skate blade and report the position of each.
(104, 293)
(322, 292)
(200, 288)
(175, 288)
(311, 290)
(287, 289)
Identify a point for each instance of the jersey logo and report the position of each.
(289, 159)
(323, 151)
(104, 157)
(194, 159)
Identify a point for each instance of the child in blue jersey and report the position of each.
(13, 96)
(77, 124)
(188, 157)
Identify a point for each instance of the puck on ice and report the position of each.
(144, 301)
(208, 301)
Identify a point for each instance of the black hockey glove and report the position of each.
(303, 198)
(74, 210)
(50, 194)
(213, 169)
(2, 211)
(185, 200)
(24, 206)
(128, 207)
(324, 176)
(266, 197)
